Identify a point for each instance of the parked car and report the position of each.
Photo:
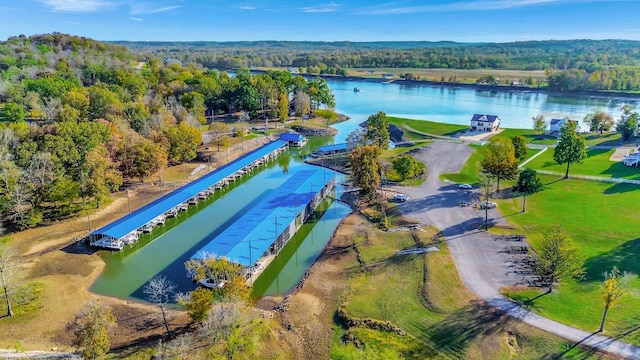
(400, 197)
(487, 205)
(465, 186)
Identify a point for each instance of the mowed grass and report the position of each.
(607, 139)
(597, 163)
(462, 75)
(423, 295)
(425, 127)
(602, 220)
(532, 136)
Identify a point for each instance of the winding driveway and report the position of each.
(482, 259)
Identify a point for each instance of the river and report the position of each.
(456, 105)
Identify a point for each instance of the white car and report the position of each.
(465, 186)
(400, 197)
(488, 205)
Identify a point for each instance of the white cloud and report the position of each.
(245, 7)
(323, 8)
(479, 5)
(150, 8)
(135, 19)
(79, 5)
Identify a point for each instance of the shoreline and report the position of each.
(497, 88)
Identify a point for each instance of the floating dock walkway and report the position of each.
(126, 230)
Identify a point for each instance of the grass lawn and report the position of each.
(597, 163)
(427, 127)
(462, 75)
(607, 139)
(601, 218)
(423, 295)
(532, 136)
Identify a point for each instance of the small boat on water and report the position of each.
(211, 284)
(356, 89)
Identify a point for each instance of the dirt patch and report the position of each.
(66, 269)
(312, 309)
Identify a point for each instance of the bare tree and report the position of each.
(301, 103)
(180, 347)
(160, 291)
(8, 275)
(222, 318)
(50, 108)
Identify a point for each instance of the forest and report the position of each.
(79, 118)
(570, 65)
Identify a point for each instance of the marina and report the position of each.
(268, 226)
(119, 233)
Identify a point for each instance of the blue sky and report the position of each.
(373, 20)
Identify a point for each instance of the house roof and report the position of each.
(555, 121)
(291, 137)
(485, 118)
(136, 219)
(334, 147)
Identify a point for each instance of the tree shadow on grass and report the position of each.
(620, 188)
(530, 303)
(583, 352)
(458, 330)
(555, 181)
(625, 257)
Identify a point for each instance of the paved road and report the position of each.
(483, 260)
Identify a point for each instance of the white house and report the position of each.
(484, 122)
(555, 126)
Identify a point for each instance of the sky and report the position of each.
(361, 20)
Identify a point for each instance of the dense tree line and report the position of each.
(570, 64)
(80, 117)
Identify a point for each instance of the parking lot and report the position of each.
(486, 262)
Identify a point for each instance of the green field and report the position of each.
(424, 127)
(532, 136)
(601, 218)
(597, 163)
(423, 296)
(462, 75)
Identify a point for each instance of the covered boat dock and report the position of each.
(127, 229)
(266, 228)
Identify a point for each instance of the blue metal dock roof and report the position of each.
(136, 219)
(253, 233)
(334, 147)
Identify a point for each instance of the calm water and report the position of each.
(457, 105)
